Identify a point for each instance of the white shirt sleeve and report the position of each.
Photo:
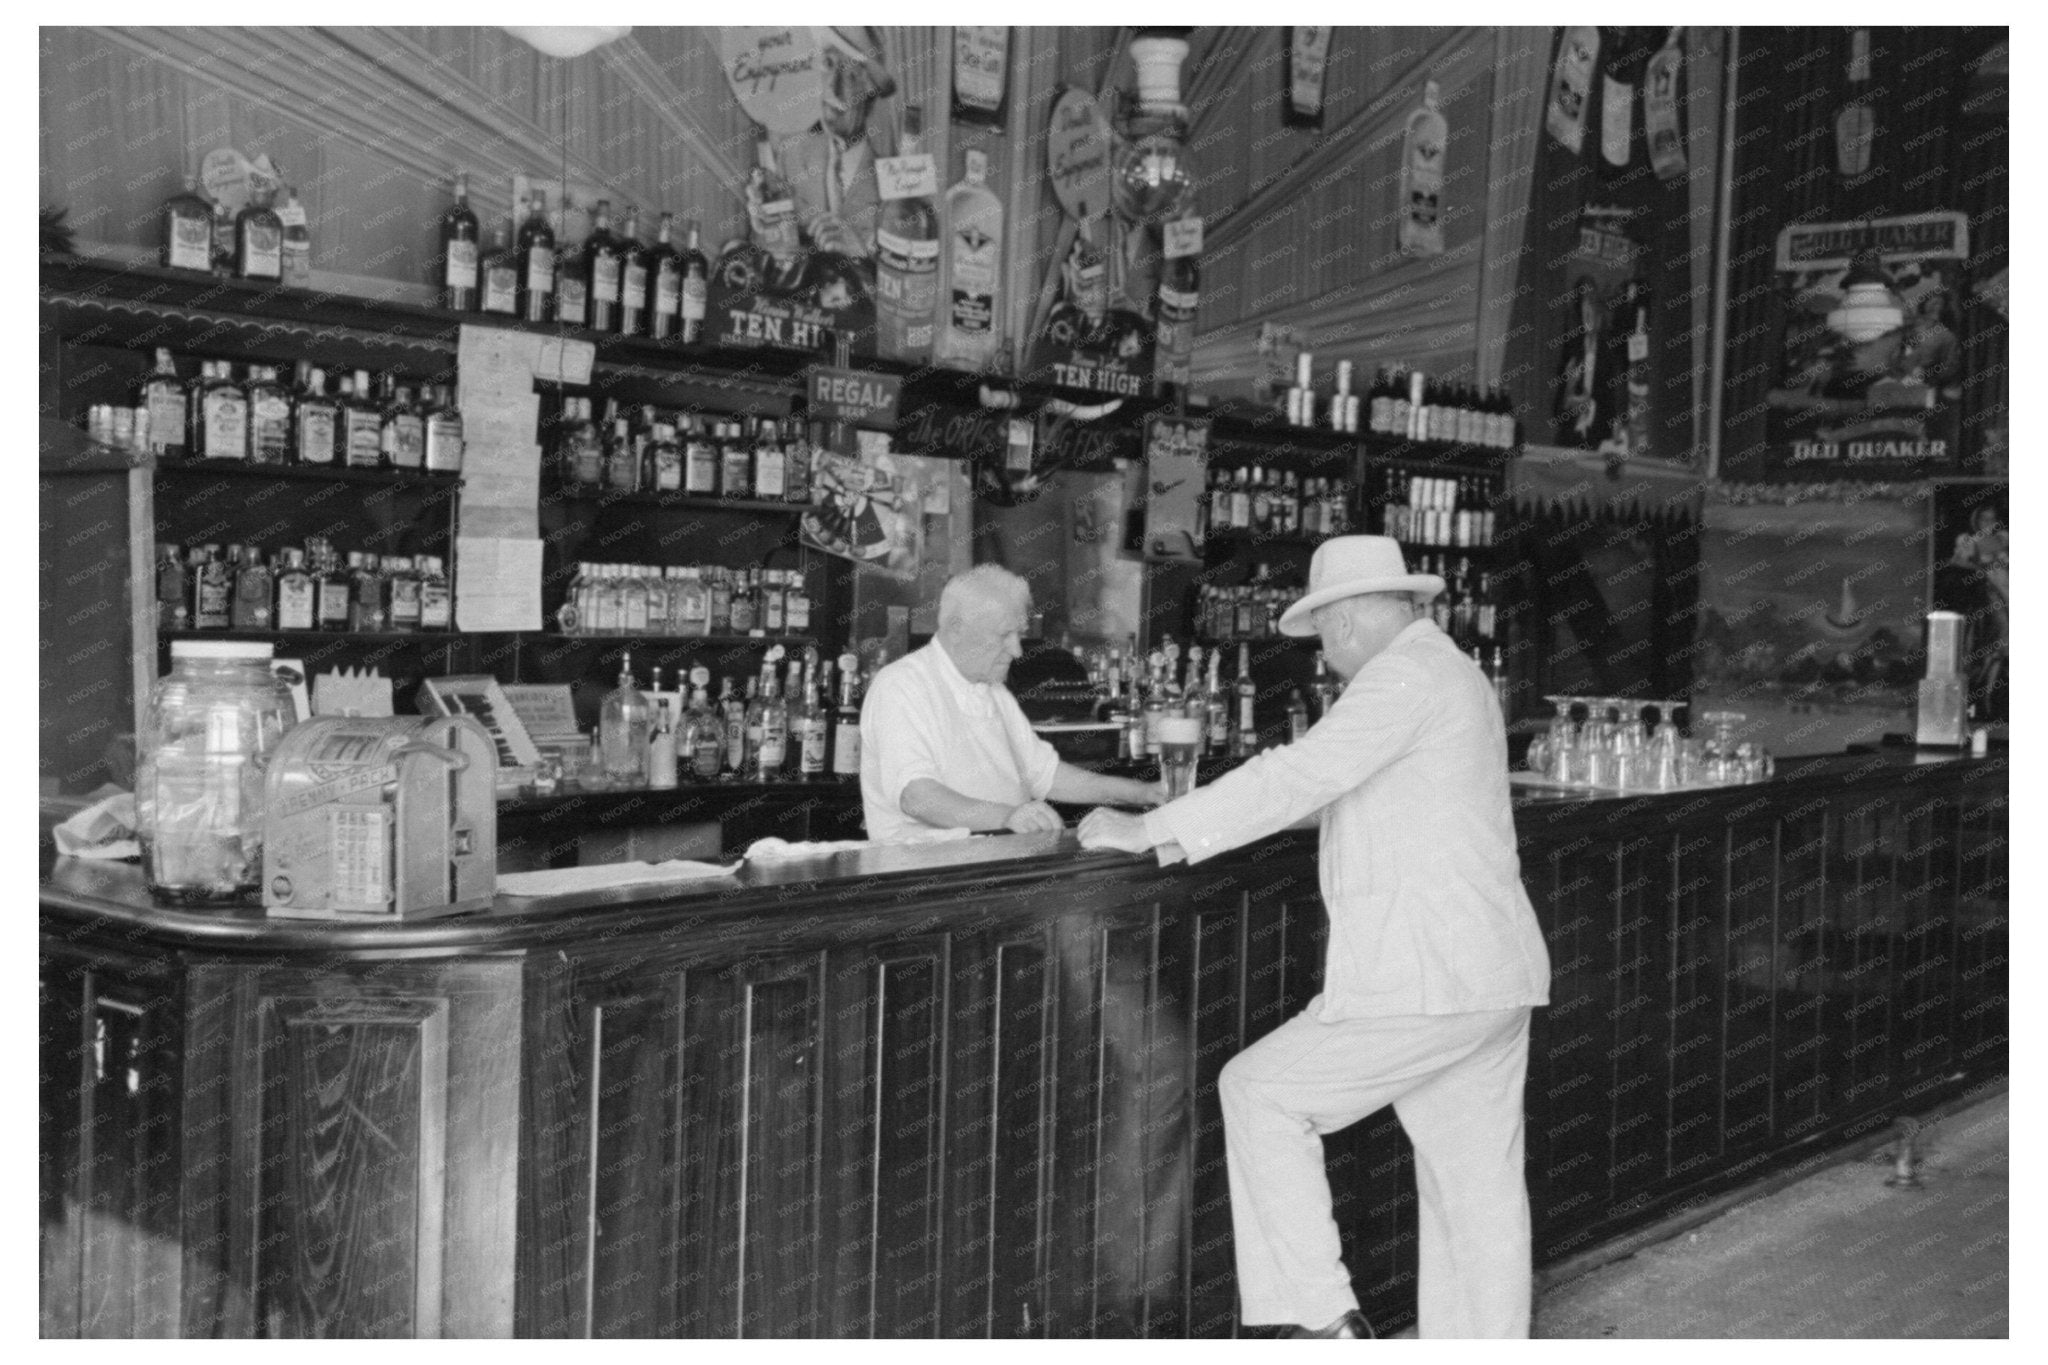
(896, 737)
(1037, 761)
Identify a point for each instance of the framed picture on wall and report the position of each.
(1969, 551)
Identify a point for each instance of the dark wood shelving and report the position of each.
(724, 639)
(312, 473)
(430, 636)
(685, 501)
(1257, 539)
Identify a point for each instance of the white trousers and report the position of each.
(1455, 1081)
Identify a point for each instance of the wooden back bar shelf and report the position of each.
(964, 1090)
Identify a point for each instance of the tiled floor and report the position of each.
(1837, 1254)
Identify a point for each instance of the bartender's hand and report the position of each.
(1104, 828)
(1035, 817)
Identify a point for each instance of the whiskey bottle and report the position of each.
(298, 240)
(259, 240)
(163, 395)
(733, 710)
(696, 285)
(402, 435)
(907, 252)
(770, 464)
(700, 460)
(771, 210)
(768, 729)
(331, 588)
(661, 745)
(436, 598)
(188, 229)
(499, 275)
(1180, 288)
(212, 590)
(315, 418)
(664, 270)
(401, 593)
(220, 416)
(602, 269)
(621, 468)
(536, 255)
(796, 450)
(808, 727)
(633, 263)
(1244, 735)
(459, 251)
(846, 721)
(173, 608)
(572, 275)
(702, 737)
(665, 459)
(295, 592)
(443, 431)
(251, 603)
(735, 463)
(270, 417)
(361, 424)
(969, 294)
(1216, 706)
(1297, 716)
(367, 602)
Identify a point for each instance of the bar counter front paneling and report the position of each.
(965, 1090)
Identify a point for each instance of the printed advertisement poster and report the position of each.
(1871, 372)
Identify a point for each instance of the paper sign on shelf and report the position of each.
(565, 360)
(906, 177)
(497, 583)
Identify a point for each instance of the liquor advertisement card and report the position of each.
(1176, 474)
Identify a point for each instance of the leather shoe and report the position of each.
(1352, 1326)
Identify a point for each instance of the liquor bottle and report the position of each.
(770, 464)
(270, 417)
(173, 608)
(1216, 706)
(164, 398)
(332, 588)
(498, 274)
(297, 597)
(634, 260)
(702, 737)
(798, 443)
(774, 606)
(632, 600)
(536, 255)
(744, 601)
(972, 289)
(188, 229)
(401, 593)
(733, 711)
(621, 468)
(719, 595)
(1244, 735)
(771, 747)
(1180, 288)
(665, 462)
(735, 463)
(661, 746)
(436, 596)
(580, 446)
(771, 210)
(696, 285)
(689, 610)
(1297, 716)
(259, 240)
(602, 271)
(797, 614)
(907, 253)
(250, 607)
(402, 433)
(700, 461)
(220, 415)
(369, 599)
(223, 240)
(212, 590)
(623, 725)
(459, 245)
(361, 424)
(315, 417)
(663, 265)
(846, 721)
(298, 240)
(1323, 689)
(809, 733)
(443, 422)
(572, 274)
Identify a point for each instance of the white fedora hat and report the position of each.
(1349, 566)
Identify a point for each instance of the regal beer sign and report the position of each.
(859, 397)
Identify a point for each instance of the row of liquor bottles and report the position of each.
(261, 419)
(684, 600)
(1425, 509)
(654, 450)
(1467, 609)
(1408, 404)
(264, 241)
(781, 728)
(1264, 501)
(309, 588)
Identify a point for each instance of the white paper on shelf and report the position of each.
(497, 582)
(564, 360)
(560, 881)
(500, 462)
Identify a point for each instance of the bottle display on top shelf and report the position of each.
(199, 587)
(498, 276)
(634, 259)
(645, 449)
(1254, 500)
(1408, 405)
(572, 274)
(259, 238)
(536, 254)
(601, 273)
(1422, 509)
(262, 420)
(458, 255)
(688, 600)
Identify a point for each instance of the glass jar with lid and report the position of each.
(212, 724)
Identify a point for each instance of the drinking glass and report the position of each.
(1718, 758)
(1180, 745)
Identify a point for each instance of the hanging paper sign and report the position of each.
(1660, 109)
(1422, 177)
(907, 177)
(776, 74)
(1182, 237)
(1308, 59)
(1176, 480)
(1077, 155)
(1856, 125)
(1571, 84)
(225, 173)
(859, 397)
(981, 62)
(1617, 119)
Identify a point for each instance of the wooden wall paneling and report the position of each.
(712, 1100)
(61, 1124)
(1871, 924)
(1075, 1185)
(1637, 1088)
(1982, 927)
(1216, 1018)
(1805, 846)
(904, 1113)
(1916, 862)
(1169, 1125)
(553, 1299)
(781, 1093)
(222, 1094)
(1695, 1003)
(1751, 939)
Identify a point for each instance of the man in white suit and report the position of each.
(1434, 962)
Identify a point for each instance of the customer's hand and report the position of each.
(1035, 817)
(1105, 828)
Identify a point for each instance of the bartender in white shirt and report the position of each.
(943, 744)
(1434, 961)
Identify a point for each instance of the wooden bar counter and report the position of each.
(964, 1090)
